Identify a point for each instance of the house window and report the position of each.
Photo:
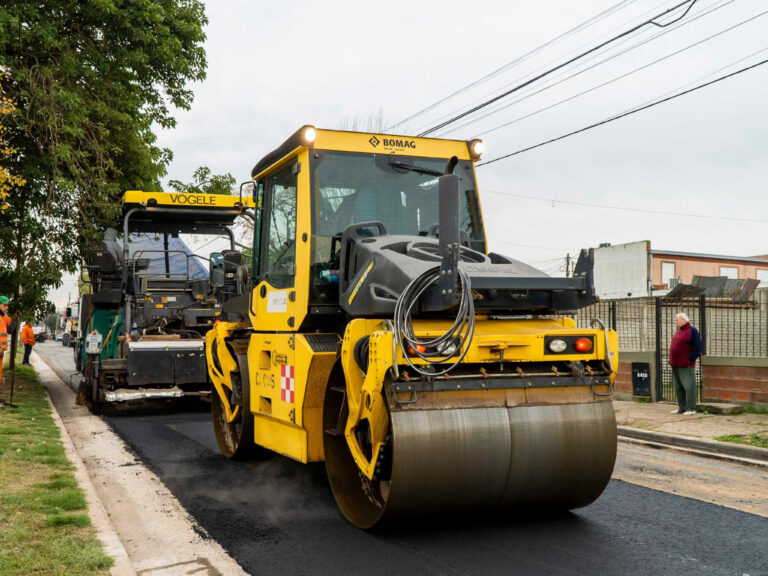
(729, 272)
(667, 273)
(762, 275)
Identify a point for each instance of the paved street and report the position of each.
(278, 517)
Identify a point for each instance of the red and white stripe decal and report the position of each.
(287, 384)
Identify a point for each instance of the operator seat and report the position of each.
(359, 206)
(110, 243)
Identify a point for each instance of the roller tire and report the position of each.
(235, 438)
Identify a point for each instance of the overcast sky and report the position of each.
(274, 66)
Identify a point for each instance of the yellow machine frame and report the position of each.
(170, 199)
(290, 371)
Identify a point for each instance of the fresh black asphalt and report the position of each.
(278, 517)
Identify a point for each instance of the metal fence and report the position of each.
(727, 328)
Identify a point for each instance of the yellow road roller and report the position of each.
(380, 336)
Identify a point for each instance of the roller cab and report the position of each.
(382, 338)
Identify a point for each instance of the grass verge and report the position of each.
(757, 439)
(749, 409)
(44, 525)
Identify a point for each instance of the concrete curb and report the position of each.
(105, 531)
(724, 450)
(156, 531)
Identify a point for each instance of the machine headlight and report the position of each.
(476, 148)
(309, 134)
(448, 349)
(558, 345)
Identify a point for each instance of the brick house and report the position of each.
(632, 280)
(635, 269)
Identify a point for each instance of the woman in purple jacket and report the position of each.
(684, 349)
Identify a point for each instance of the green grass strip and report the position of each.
(758, 439)
(44, 525)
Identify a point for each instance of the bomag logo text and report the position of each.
(193, 199)
(399, 143)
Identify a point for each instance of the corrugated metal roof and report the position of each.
(714, 286)
(738, 290)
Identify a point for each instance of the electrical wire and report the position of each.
(701, 78)
(584, 25)
(624, 208)
(545, 67)
(615, 79)
(531, 89)
(549, 248)
(651, 21)
(627, 113)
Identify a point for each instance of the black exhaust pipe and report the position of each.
(450, 242)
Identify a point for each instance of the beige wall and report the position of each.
(687, 268)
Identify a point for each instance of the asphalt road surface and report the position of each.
(276, 516)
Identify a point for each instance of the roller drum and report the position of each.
(455, 460)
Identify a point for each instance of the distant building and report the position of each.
(633, 270)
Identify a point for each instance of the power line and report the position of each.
(546, 66)
(620, 77)
(699, 79)
(587, 23)
(625, 208)
(567, 62)
(628, 113)
(549, 64)
(527, 245)
(505, 106)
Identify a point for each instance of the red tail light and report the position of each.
(582, 345)
(419, 348)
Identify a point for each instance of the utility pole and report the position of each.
(568, 265)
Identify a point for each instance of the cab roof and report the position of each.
(365, 142)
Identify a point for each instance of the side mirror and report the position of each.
(216, 269)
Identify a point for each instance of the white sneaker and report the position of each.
(675, 411)
(689, 413)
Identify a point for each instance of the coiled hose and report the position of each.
(455, 342)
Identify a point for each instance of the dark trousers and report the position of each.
(27, 352)
(684, 380)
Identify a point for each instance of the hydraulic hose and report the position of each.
(454, 343)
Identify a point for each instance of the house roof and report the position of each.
(750, 259)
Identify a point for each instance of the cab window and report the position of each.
(278, 249)
(349, 188)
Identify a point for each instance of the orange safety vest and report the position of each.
(4, 325)
(27, 335)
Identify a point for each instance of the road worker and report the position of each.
(28, 339)
(6, 329)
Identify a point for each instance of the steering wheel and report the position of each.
(434, 230)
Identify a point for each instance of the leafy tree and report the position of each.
(89, 80)
(51, 321)
(356, 123)
(8, 180)
(205, 183)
